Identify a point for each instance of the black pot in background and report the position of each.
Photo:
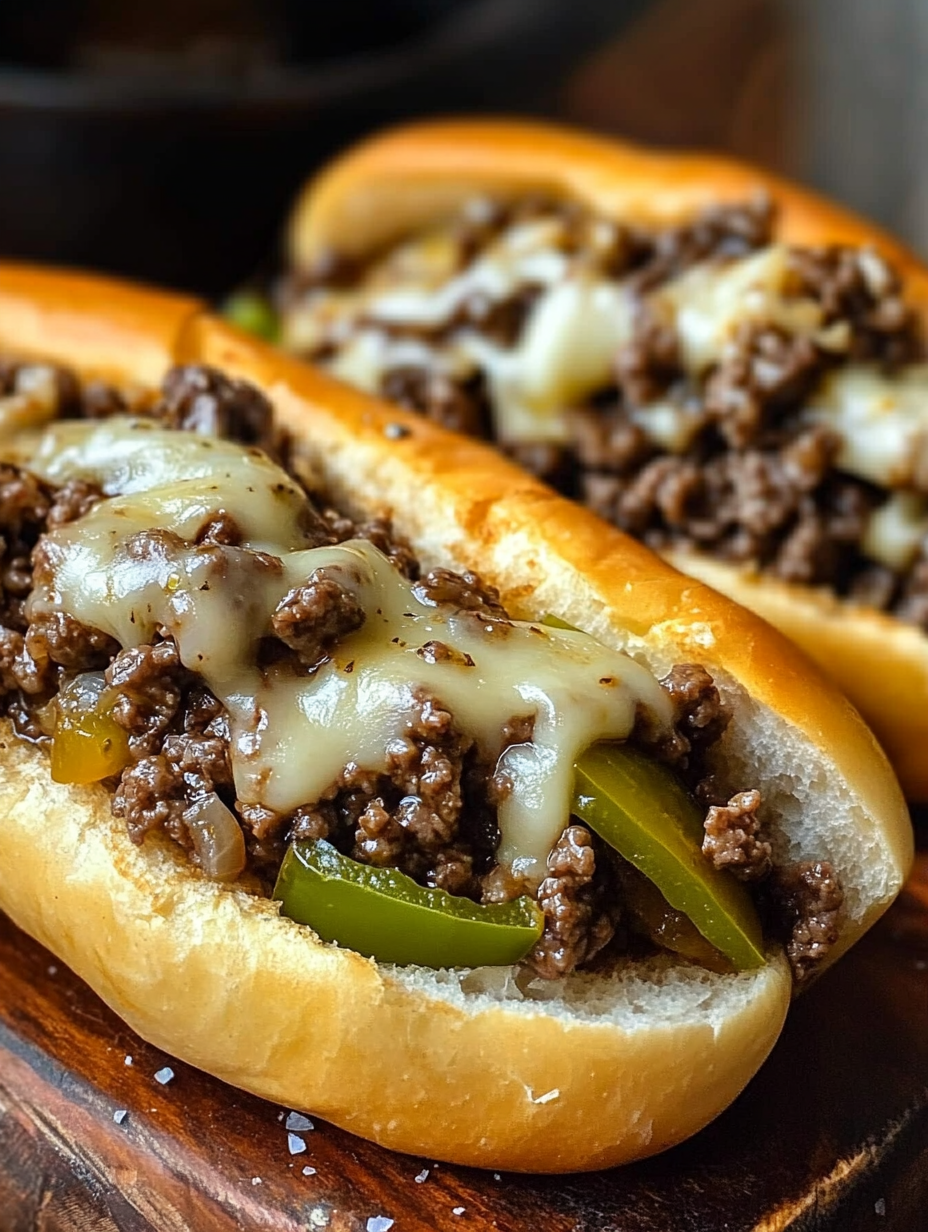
(183, 177)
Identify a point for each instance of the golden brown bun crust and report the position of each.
(104, 328)
(407, 178)
(211, 975)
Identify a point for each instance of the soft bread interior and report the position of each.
(880, 663)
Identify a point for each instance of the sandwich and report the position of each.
(352, 765)
(714, 360)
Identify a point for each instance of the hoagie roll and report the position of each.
(352, 765)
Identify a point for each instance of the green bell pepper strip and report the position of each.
(555, 622)
(383, 914)
(251, 311)
(640, 808)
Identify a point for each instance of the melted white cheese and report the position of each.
(580, 319)
(670, 425)
(896, 530)
(567, 349)
(34, 399)
(294, 733)
(370, 353)
(882, 421)
(711, 300)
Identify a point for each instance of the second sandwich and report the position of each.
(722, 365)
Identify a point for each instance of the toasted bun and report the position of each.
(413, 176)
(458, 1066)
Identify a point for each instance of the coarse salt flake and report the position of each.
(554, 1093)
(458, 1210)
(379, 1223)
(164, 1075)
(295, 1144)
(299, 1123)
(128, 1061)
(309, 1170)
(120, 1115)
(422, 1176)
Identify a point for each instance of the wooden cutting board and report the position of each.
(832, 1135)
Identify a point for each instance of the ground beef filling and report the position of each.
(431, 812)
(756, 484)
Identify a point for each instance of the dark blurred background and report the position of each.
(165, 140)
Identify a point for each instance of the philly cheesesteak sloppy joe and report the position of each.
(289, 697)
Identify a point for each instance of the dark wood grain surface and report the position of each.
(832, 1135)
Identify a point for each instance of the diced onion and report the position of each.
(217, 838)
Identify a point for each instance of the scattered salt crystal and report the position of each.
(458, 1210)
(422, 1176)
(53, 970)
(295, 1144)
(880, 1206)
(300, 1123)
(544, 1099)
(128, 1061)
(497, 1177)
(379, 1223)
(120, 1116)
(256, 1180)
(308, 1171)
(280, 1116)
(164, 1076)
